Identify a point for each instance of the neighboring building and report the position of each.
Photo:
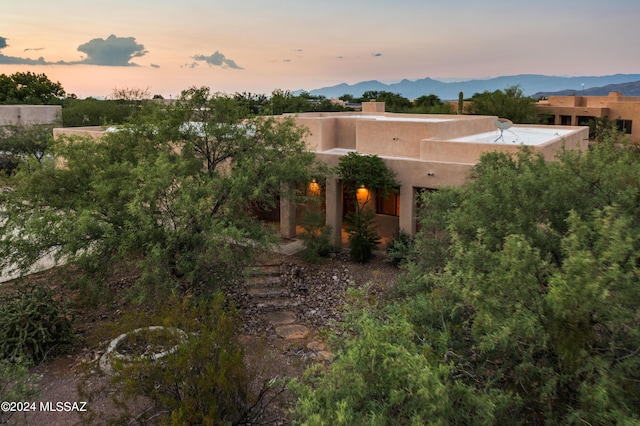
(580, 110)
(30, 114)
(426, 152)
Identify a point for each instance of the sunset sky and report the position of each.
(92, 47)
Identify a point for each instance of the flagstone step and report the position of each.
(262, 281)
(268, 292)
(281, 317)
(262, 270)
(275, 304)
(293, 331)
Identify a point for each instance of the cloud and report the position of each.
(33, 48)
(217, 60)
(112, 51)
(376, 54)
(155, 66)
(286, 60)
(13, 60)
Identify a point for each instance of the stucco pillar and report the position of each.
(334, 210)
(287, 212)
(407, 209)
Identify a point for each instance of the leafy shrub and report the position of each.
(316, 237)
(382, 377)
(399, 248)
(33, 324)
(16, 385)
(363, 238)
(205, 381)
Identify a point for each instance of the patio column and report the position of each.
(407, 220)
(334, 210)
(287, 211)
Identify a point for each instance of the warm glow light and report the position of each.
(362, 194)
(314, 188)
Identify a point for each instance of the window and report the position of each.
(389, 205)
(624, 126)
(584, 120)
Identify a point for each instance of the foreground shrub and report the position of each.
(205, 381)
(399, 248)
(381, 377)
(33, 325)
(316, 237)
(363, 238)
(16, 385)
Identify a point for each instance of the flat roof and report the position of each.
(516, 136)
(339, 151)
(406, 119)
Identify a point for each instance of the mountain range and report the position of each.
(531, 85)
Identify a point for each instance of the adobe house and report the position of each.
(427, 152)
(579, 110)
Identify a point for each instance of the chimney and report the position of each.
(373, 106)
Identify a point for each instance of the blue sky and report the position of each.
(261, 45)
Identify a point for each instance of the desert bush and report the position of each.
(316, 237)
(399, 248)
(33, 324)
(382, 377)
(16, 385)
(363, 238)
(205, 381)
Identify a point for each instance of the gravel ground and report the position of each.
(320, 290)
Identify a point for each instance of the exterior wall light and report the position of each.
(314, 187)
(362, 194)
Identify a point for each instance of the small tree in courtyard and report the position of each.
(362, 177)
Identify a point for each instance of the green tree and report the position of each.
(510, 103)
(362, 177)
(540, 279)
(283, 102)
(29, 88)
(175, 189)
(94, 112)
(394, 102)
(20, 143)
(522, 287)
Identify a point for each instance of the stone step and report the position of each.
(292, 331)
(275, 304)
(281, 317)
(262, 270)
(262, 281)
(268, 292)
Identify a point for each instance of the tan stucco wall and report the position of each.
(30, 114)
(95, 132)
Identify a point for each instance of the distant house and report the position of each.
(30, 114)
(426, 152)
(580, 110)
